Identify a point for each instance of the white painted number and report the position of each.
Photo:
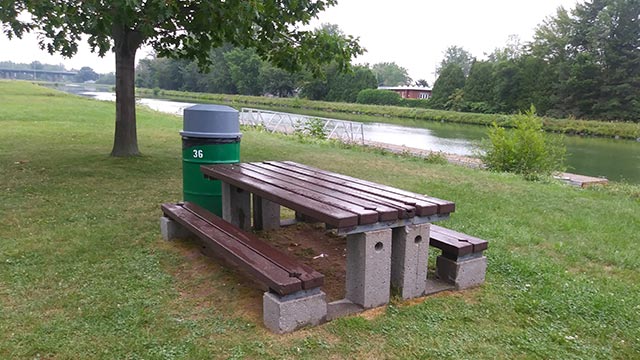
(197, 154)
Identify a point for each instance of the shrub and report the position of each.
(525, 150)
(313, 128)
(415, 103)
(378, 97)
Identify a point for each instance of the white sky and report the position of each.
(411, 33)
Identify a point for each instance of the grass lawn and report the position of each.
(85, 274)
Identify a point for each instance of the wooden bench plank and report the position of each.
(443, 206)
(454, 242)
(404, 210)
(235, 252)
(329, 214)
(477, 243)
(385, 213)
(309, 277)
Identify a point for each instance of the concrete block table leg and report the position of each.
(464, 272)
(369, 268)
(409, 257)
(171, 230)
(266, 214)
(236, 206)
(283, 314)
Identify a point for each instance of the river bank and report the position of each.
(376, 113)
(590, 156)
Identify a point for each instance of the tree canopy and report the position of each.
(451, 79)
(458, 56)
(186, 29)
(391, 74)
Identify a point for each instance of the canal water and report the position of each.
(616, 160)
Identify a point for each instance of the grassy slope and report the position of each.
(84, 273)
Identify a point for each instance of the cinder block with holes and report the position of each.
(409, 257)
(369, 268)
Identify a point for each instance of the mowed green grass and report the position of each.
(84, 273)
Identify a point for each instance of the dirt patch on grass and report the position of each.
(313, 246)
(205, 284)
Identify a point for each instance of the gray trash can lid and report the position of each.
(211, 121)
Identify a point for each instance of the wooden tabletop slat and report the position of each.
(404, 210)
(444, 206)
(424, 206)
(386, 213)
(329, 214)
(365, 216)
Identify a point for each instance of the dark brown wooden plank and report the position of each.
(235, 252)
(310, 278)
(365, 216)
(477, 243)
(385, 213)
(331, 215)
(423, 207)
(444, 206)
(404, 210)
(449, 244)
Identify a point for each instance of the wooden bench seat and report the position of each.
(462, 262)
(455, 244)
(268, 266)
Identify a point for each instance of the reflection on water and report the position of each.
(617, 160)
(420, 138)
(170, 107)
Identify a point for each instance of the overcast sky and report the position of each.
(411, 33)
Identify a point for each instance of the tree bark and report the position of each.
(125, 141)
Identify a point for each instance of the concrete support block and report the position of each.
(409, 258)
(236, 206)
(266, 214)
(283, 314)
(171, 230)
(463, 273)
(369, 268)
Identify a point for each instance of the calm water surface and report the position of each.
(617, 160)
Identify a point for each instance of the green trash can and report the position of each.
(210, 135)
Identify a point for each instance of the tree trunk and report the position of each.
(125, 141)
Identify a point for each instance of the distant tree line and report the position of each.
(237, 70)
(241, 71)
(583, 63)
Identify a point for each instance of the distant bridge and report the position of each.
(35, 74)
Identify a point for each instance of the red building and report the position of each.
(409, 92)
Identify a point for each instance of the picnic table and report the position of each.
(387, 228)
(388, 233)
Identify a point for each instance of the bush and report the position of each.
(378, 97)
(525, 150)
(313, 128)
(415, 103)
